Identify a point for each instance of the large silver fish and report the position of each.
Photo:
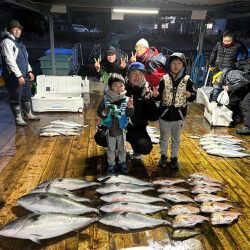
(129, 221)
(67, 123)
(122, 187)
(221, 146)
(224, 217)
(176, 197)
(205, 190)
(188, 220)
(183, 209)
(212, 207)
(171, 189)
(68, 183)
(61, 192)
(167, 181)
(124, 179)
(221, 140)
(129, 197)
(227, 153)
(209, 197)
(133, 207)
(47, 202)
(36, 227)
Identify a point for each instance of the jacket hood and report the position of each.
(178, 55)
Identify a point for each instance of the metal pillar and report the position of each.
(52, 44)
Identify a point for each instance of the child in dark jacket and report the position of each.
(114, 110)
(175, 90)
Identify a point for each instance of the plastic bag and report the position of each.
(223, 98)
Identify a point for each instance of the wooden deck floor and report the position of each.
(27, 160)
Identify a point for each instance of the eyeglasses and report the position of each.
(139, 47)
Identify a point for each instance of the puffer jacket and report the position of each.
(154, 63)
(236, 80)
(222, 57)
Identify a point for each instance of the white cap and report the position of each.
(143, 42)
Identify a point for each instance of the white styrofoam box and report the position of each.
(58, 102)
(47, 85)
(203, 94)
(218, 115)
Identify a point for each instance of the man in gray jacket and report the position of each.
(237, 83)
(17, 73)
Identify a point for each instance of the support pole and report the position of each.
(52, 45)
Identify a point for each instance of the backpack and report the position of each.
(243, 65)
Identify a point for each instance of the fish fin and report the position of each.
(35, 238)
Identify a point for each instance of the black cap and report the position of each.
(111, 50)
(15, 24)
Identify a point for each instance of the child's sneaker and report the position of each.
(111, 169)
(162, 163)
(123, 167)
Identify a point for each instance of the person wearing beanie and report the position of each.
(112, 63)
(17, 73)
(153, 61)
(115, 110)
(144, 110)
(174, 93)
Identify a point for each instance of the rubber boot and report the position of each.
(27, 111)
(18, 115)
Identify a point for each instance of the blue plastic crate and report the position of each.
(60, 51)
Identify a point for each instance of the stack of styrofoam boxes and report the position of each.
(60, 93)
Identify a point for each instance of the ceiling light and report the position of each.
(135, 11)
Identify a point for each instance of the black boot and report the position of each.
(27, 111)
(243, 131)
(18, 115)
(162, 163)
(174, 163)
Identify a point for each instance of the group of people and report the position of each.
(154, 87)
(225, 63)
(148, 87)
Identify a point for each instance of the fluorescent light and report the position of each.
(135, 11)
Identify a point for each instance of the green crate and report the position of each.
(59, 72)
(62, 61)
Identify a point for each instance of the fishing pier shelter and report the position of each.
(26, 159)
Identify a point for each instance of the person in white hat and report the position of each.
(153, 61)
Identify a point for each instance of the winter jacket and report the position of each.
(144, 107)
(223, 57)
(236, 80)
(114, 67)
(154, 63)
(171, 112)
(14, 56)
(117, 123)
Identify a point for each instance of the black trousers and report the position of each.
(246, 109)
(18, 93)
(139, 140)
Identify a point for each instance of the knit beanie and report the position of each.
(143, 42)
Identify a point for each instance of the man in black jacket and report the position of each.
(237, 83)
(144, 110)
(225, 55)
